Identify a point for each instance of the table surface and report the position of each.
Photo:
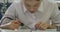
(22, 29)
(28, 30)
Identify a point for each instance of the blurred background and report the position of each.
(4, 4)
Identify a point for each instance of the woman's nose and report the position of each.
(32, 8)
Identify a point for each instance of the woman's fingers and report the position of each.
(37, 26)
(44, 25)
(14, 24)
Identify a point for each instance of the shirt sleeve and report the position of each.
(55, 14)
(9, 15)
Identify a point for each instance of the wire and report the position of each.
(4, 18)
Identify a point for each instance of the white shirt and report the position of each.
(46, 10)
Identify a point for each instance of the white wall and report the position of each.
(1, 0)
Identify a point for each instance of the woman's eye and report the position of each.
(28, 5)
(27, 0)
(37, 0)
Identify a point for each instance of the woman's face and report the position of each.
(32, 5)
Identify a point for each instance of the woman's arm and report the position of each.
(55, 15)
(10, 13)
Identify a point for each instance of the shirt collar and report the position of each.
(24, 8)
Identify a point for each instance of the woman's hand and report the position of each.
(14, 24)
(42, 25)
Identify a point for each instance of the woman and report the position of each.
(35, 14)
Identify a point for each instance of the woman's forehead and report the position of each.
(32, 0)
